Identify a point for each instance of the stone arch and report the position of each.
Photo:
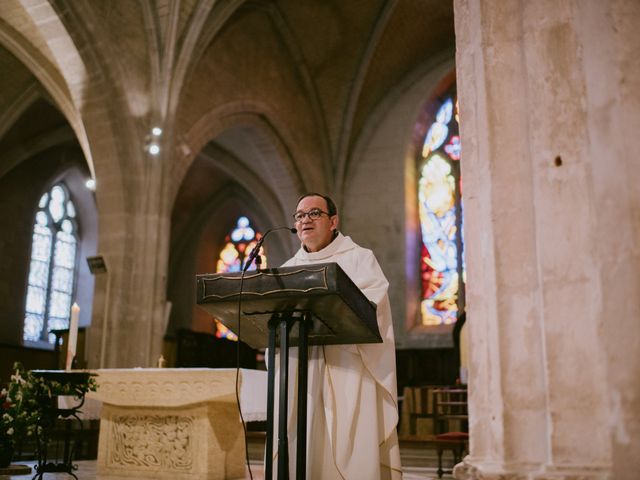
(251, 182)
(208, 18)
(202, 34)
(32, 100)
(199, 245)
(17, 108)
(345, 139)
(67, 90)
(51, 79)
(274, 144)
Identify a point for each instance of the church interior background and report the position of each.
(484, 150)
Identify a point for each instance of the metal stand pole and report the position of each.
(284, 323)
(303, 354)
(271, 378)
(283, 438)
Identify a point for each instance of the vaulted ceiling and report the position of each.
(332, 61)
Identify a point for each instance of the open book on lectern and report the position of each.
(340, 312)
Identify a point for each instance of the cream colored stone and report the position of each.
(545, 372)
(175, 423)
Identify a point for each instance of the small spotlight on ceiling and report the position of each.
(154, 149)
(156, 131)
(90, 184)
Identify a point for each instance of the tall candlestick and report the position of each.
(73, 335)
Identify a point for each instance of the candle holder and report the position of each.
(61, 345)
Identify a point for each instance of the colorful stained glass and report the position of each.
(239, 244)
(445, 112)
(436, 136)
(52, 268)
(453, 148)
(439, 131)
(243, 231)
(441, 263)
(229, 260)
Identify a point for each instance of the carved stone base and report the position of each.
(470, 469)
(174, 423)
(203, 442)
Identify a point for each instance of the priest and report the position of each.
(352, 398)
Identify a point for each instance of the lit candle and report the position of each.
(73, 335)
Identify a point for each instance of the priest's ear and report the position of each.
(333, 223)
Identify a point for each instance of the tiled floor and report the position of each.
(417, 465)
(87, 470)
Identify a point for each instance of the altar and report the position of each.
(175, 423)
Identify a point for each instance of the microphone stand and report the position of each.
(252, 256)
(254, 252)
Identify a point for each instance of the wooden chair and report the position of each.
(446, 408)
(420, 403)
(450, 423)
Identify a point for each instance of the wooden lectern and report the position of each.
(315, 304)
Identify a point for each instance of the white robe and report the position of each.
(352, 398)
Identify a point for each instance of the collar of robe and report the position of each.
(338, 245)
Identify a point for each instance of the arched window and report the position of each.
(441, 218)
(53, 266)
(238, 245)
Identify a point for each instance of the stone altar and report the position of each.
(175, 423)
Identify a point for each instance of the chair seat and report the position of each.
(453, 436)
(449, 415)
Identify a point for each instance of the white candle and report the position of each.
(73, 335)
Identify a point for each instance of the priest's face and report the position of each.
(315, 233)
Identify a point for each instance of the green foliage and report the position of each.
(23, 401)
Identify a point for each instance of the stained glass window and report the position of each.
(52, 268)
(238, 245)
(441, 219)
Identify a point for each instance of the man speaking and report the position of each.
(352, 398)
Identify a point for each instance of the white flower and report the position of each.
(10, 431)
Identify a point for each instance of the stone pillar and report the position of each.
(551, 225)
(137, 317)
(130, 309)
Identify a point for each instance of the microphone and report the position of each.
(256, 249)
(252, 256)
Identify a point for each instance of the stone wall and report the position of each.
(539, 122)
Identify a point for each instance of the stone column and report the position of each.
(137, 314)
(130, 299)
(552, 264)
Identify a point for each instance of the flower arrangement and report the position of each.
(21, 403)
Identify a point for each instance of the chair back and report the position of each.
(450, 413)
(418, 404)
